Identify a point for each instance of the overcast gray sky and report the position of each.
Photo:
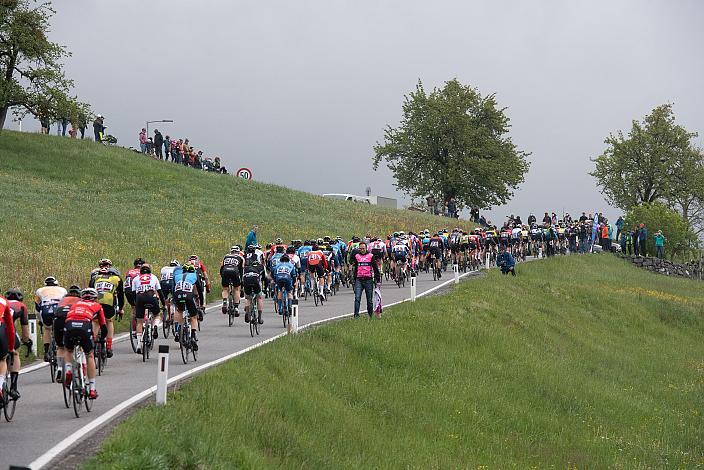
(300, 91)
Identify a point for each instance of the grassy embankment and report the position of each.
(65, 204)
(579, 362)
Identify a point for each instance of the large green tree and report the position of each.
(654, 162)
(30, 65)
(453, 143)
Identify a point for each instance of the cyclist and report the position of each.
(73, 296)
(302, 253)
(378, 251)
(131, 274)
(104, 262)
(167, 275)
(148, 295)
(111, 296)
(19, 312)
(7, 338)
(296, 261)
(200, 267)
(251, 283)
(435, 248)
(317, 265)
(79, 329)
(231, 273)
(45, 300)
(188, 294)
(285, 277)
(400, 257)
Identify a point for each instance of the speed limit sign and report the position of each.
(245, 173)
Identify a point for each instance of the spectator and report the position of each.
(73, 132)
(99, 127)
(167, 148)
(82, 124)
(158, 143)
(636, 244)
(176, 146)
(659, 244)
(366, 273)
(451, 208)
(583, 237)
(251, 237)
(506, 262)
(46, 124)
(604, 237)
(642, 239)
(216, 164)
(430, 201)
(143, 140)
(150, 146)
(627, 242)
(619, 226)
(583, 218)
(547, 219)
(482, 220)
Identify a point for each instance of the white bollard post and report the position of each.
(488, 260)
(33, 331)
(293, 323)
(162, 374)
(19, 123)
(540, 253)
(456, 269)
(413, 288)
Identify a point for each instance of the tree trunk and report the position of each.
(3, 116)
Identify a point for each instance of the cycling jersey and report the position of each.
(145, 283)
(131, 274)
(7, 326)
(109, 289)
(48, 296)
(94, 273)
(86, 310)
(167, 273)
(285, 270)
(400, 249)
(232, 261)
(302, 253)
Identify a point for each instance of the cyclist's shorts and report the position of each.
(252, 289)
(464, 246)
(3, 343)
(79, 332)
(108, 310)
(304, 264)
(59, 322)
(377, 253)
(455, 248)
(285, 283)
(186, 301)
(46, 314)
(231, 276)
(317, 269)
(129, 295)
(145, 301)
(166, 288)
(436, 252)
(400, 257)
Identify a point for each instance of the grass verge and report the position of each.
(578, 362)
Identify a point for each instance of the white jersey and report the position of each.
(167, 273)
(296, 261)
(400, 249)
(516, 233)
(145, 283)
(49, 295)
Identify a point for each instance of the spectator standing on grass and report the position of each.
(642, 239)
(366, 273)
(176, 146)
(659, 244)
(251, 237)
(636, 245)
(143, 140)
(167, 148)
(158, 143)
(99, 127)
(82, 124)
(216, 164)
(619, 227)
(150, 146)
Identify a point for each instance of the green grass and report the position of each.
(67, 203)
(579, 362)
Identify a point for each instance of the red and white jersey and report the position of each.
(131, 274)
(377, 245)
(145, 283)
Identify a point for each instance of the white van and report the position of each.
(348, 197)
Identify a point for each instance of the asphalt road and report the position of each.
(41, 420)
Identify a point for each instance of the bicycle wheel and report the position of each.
(253, 323)
(76, 399)
(134, 341)
(9, 404)
(194, 352)
(316, 295)
(146, 338)
(284, 313)
(67, 398)
(256, 326)
(230, 308)
(99, 364)
(184, 343)
(87, 401)
(166, 323)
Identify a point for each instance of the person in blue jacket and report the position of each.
(506, 262)
(251, 237)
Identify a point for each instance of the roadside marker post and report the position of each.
(488, 258)
(540, 253)
(33, 331)
(413, 288)
(162, 374)
(456, 269)
(293, 323)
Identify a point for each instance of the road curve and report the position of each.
(43, 428)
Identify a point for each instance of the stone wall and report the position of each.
(690, 270)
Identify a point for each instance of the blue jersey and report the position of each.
(303, 253)
(275, 260)
(183, 283)
(284, 270)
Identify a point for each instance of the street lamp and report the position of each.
(159, 120)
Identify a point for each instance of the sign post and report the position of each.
(488, 258)
(33, 331)
(293, 323)
(413, 288)
(456, 269)
(162, 374)
(540, 253)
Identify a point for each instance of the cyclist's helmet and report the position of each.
(338, 238)
(251, 249)
(145, 269)
(315, 245)
(14, 294)
(401, 233)
(326, 239)
(285, 258)
(174, 262)
(355, 239)
(278, 241)
(290, 250)
(74, 291)
(138, 262)
(320, 241)
(189, 268)
(193, 258)
(235, 249)
(51, 281)
(89, 294)
(395, 234)
(104, 262)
